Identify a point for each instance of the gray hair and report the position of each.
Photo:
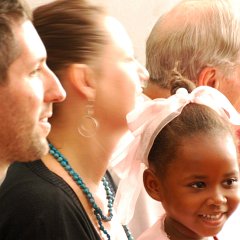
(195, 34)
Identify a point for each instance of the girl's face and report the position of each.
(200, 190)
(119, 84)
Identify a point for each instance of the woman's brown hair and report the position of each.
(72, 32)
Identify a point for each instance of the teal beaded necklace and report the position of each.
(96, 210)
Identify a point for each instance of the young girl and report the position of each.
(190, 152)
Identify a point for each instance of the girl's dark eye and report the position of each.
(198, 185)
(230, 182)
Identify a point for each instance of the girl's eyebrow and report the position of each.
(233, 173)
(202, 177)
(195, 176)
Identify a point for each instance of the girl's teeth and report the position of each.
(211, 217)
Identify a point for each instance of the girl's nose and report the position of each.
(217, 199)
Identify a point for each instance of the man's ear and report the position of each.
(152, 185)
(208, 77)
(82, 78)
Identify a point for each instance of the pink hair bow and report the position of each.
(145, 123)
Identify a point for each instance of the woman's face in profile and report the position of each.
(120, 82)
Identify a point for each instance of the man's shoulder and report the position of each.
(27, 184)
(22, 177)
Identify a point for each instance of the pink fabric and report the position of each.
(156, 232)
(145, 123)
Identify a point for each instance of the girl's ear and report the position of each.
(208, 77)
(152, 185)
(83, 80)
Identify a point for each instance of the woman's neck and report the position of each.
(89, 157)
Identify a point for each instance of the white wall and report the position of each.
(138, 17)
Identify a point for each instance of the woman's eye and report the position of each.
(198, 185)
(35, 72)
(130, 59)
(230, 182)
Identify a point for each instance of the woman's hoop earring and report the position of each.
(88, 124)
